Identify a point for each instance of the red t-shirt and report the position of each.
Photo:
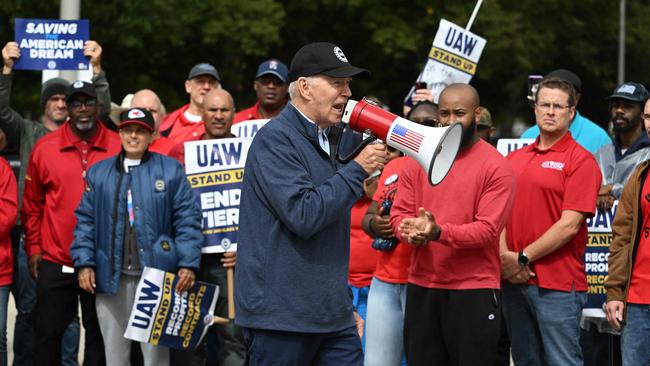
(563, 177)
(471, 205)
(639, 292)
(363, 258)
(181, 129)
(162, 145)
(247, 114)
(392, 266)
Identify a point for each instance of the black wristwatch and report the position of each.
(523, 259)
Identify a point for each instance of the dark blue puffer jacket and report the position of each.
(167, 218)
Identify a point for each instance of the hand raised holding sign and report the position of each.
(10, 52)
(93, 50)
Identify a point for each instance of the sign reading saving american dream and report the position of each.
(248, 128)
(51, 44)
(215, 169)
(161, 316)
(452, 59)
(599, 238)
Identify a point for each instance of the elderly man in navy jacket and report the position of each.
(291, 291)
(138, 210)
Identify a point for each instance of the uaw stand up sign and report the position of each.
(596, 256)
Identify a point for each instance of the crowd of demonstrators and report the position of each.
(437, 273)
(153, 205)
(270, 87)
(224, 342)
(185, 123)
(542, 259)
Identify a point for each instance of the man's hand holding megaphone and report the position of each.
(419, 230)
(372, 157)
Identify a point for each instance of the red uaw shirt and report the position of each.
(8, 215)
(162, 145)
(562, 177)
(54, 185)
(639, 291)
(247, 114)
(392, 265)
(180, 128)
(471, 205)
(363, 258)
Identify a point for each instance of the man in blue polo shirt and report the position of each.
(586, 133)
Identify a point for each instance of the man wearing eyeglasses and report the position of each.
(271, 88)
(54, 184)
(543, 245)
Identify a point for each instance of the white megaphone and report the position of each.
(434, 148)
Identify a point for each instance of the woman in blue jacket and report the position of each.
(138, 210)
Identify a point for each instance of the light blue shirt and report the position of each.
(322, 134)
(586, 133)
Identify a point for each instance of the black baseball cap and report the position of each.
(203, 69)
(138, 116)
(80, 87)
(322, 58)
(567, 76)
(632, 91)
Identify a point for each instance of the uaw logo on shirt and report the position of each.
(159, 185)
(339, 54)
(135, 113)
(549, 164)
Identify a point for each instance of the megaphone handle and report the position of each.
(367, 141)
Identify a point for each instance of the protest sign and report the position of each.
(506, 146)
(161, 316)
(596, 256)
(51, 44)
(453, 58)
(248, 128)
(215, 169)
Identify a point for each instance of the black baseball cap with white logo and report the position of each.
(80, 87)
(137, 116)
(632, 91)
(322, 58)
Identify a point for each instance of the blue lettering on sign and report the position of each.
(230, 153)
(146, 303)
(460, 41)
(602, 219)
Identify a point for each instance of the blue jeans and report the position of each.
(635, 339)
(544, 325)
(385, 324)
(4, 298)
(360, 302)
(24, 290)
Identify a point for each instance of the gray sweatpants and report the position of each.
(113, 315)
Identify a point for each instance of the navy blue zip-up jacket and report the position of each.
(294, 235)
(165, 210)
